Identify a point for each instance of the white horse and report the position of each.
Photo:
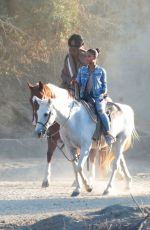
(76, 131)
(45, 91)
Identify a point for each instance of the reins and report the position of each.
(44, 125)
(60, 148)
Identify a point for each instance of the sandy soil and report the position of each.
(25, 205)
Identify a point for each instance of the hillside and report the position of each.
(120, 29)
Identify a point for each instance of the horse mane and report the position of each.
(53, 91)
(48, 90)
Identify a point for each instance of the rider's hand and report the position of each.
(105, 95)
(73, 81)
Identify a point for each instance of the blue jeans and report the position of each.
(100, 106)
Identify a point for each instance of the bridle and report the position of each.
(45, 125)
(52, 135)
(49, 114)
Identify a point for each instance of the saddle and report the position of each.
(111, 109)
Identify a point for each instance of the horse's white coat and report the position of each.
(47, 175)
(76, 131)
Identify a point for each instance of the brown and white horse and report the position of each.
(45, 91)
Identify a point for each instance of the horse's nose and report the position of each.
(41, 133)
(38, 134)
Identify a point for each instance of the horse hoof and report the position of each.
(105, 193)
(75, 193)
(89, 189)
(45, 184)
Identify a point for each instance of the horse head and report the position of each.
(41, 91)
(45, 115)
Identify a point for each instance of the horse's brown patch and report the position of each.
(47, 92)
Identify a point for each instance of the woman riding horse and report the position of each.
(93, 87)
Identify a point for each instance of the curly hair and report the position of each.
(94, 52)
(75, 40)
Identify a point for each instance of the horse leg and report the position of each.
(52, 143)
(47, 175)
(84, 152)
(92, 157)
(50, 151)
(77, 152)
(78, 182)
(119, 150)
(120, 174)
(126, 172)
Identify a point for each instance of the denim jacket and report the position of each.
(99, 81)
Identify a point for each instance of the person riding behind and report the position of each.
(92, 82)
(75, 58)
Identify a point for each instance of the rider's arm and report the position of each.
(65, 75)
(69, 71)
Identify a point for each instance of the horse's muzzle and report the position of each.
(40, 134)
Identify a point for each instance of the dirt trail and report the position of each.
(24, 203)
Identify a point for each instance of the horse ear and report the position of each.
(38, 100)
(40, 86)
(30, 85)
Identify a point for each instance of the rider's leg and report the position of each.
(100, 107)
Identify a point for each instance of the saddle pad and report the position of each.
(110, 108)
(90, 108)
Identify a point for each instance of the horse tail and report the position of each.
(130, 140)
(135, 135)
(128, 143)
(107, 155)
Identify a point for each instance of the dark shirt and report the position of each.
(71, 66)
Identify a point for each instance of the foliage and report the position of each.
(33, 31)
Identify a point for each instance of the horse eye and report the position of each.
(45, 114)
